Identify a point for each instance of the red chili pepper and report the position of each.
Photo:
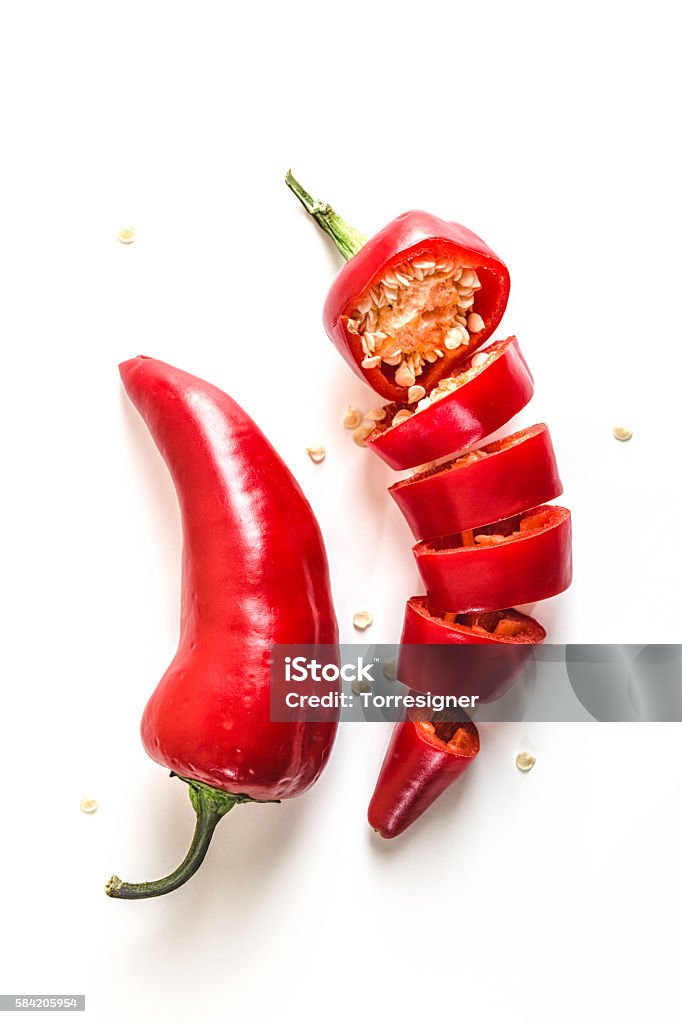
(492, 483)
(415, 306)
(518, 561)
(483, 399)
(254, 573)
(423, 759)
(480, 654)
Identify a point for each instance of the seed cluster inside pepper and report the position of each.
(398, 413)
(414, 314)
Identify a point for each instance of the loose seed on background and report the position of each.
(376, 415)
(126, 235)
(622, 433)
(88, 805)
(359, 686)
(316, 454)
(363, 620)
(352, 419)
(524, 761)
(391, 670)
(360, 434)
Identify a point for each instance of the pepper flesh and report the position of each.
(494, 482)
(529, 562)
(418, 767)
(254, 573)
(411, 236)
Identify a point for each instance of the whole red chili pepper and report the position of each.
(413, 301)
(518, 561)
(423, 759)
(492, 483)
(254, 573)
(461, 410)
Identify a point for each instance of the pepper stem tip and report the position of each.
(210, 805)
(346, 239)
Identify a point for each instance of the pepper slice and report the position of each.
(413, 301)
(422, 760)
(440, 652)
(489, 484)
(487, 391)
(517, 561)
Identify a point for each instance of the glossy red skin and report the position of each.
(446, 658)
(409, 236)
(519, 571)
(254, 573)
(415, 772)
(476, 409)
(457, 498)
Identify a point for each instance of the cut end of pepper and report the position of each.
(457, 737)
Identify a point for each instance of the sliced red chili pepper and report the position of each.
(463, 409)
(392, 310)
(492, 483)
(517, 561)
(423, 759)
(254, 573)
(480, 653)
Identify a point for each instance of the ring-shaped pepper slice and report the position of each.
(481, 400)
(486, 485)
(520, 560)
(481, 653)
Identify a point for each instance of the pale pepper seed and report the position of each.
(524, 761)
(363, 620)
(360, 434)
(359, 686)
(88, 805)
(352, 419)
(317, 454)
(126, 235)
(622, 433)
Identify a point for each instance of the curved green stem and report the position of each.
(210, 806)
(346, 239)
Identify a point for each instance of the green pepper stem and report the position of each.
(346, 239)
(210, 806)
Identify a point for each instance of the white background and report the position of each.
(553, 132)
